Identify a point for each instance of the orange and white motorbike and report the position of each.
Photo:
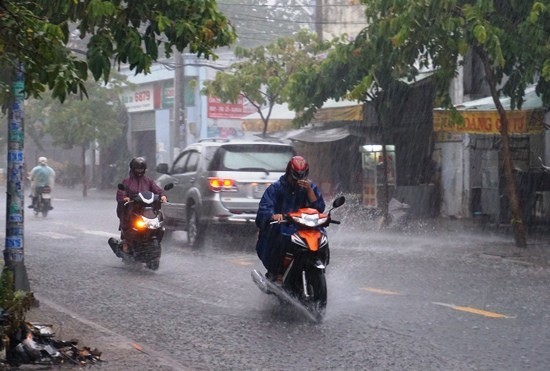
(304, 283)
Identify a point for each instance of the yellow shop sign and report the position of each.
(488, 122)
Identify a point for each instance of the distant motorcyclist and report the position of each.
(41, 175)
(135, 183)
(292, 191)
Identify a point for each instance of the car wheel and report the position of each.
(195, 231)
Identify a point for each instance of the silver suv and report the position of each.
(219, 182)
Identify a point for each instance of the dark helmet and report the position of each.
(138, 166)
(297, 168)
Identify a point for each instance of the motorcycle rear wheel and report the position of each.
(45, 207)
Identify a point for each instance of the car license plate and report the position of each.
(46, 196)
(259, 189)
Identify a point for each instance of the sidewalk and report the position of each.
(537, 252)
(117, 351)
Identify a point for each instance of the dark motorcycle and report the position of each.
(42, 203)
(146, 232)
(304, 283)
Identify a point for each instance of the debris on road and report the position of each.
(35, 344)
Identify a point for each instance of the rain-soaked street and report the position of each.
(439, 301)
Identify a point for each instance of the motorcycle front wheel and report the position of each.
(318, 289)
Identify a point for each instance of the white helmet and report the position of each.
(42, 160)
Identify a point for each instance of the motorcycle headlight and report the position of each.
(145, 223)
(140, 224)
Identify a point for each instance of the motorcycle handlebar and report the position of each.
(288, 219)
(131, 199)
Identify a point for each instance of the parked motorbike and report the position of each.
(42, 203)
(147, 230)
(304, 284)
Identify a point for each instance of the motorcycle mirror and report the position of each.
(339, 202)
(168, 186)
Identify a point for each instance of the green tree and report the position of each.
(35, 56)
(80, 122)
(264, 73)
(510, 38)
(36, 33)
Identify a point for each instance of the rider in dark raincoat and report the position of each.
(135, 183)
(291, 192)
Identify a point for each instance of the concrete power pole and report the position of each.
(179, 124)
(14, 253)
(319, 19)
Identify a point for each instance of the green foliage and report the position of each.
(14, 303)
(38, 34)
(6, 288)
(263, 74)
(100, 118)
(405, 37)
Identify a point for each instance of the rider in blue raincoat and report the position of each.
(291, 192)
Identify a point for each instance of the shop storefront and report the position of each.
(469, 155)
(374, 179)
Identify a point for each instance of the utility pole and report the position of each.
(14, 253)
(178, 124)
(319, 19)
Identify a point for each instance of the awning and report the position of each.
(530, 101)
(282, 117)
(333, 111)
(321, 135)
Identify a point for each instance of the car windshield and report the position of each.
(252, 157)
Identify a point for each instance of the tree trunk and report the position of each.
(93, 172)
(520, 233)
(84, 175)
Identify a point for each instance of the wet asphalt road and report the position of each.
(436, 301)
